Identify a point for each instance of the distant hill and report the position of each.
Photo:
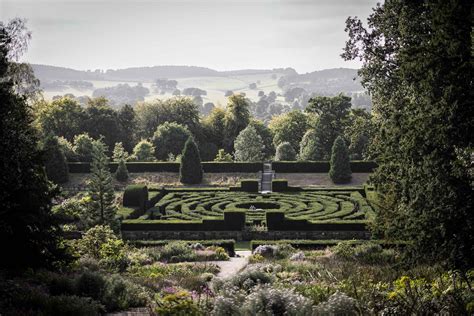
(324, 82)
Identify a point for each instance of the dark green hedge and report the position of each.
(136, 195)
(234, 221)
(276, 220)
(227, 244)
(281, 185)
(319, 166)
(137, 167)
(217, 167)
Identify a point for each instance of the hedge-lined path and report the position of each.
(234, 265)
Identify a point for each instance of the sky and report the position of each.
(307, 35)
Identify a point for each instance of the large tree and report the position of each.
(237, 117)
(127, 125)
(417, 66)
(55, 161)
(332, 119)
(169, 138)
(289, 127)
(180, 110)
(101, 121)
(248, 145)
(29, 236)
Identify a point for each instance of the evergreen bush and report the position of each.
(340, 170)
(122, 173)
(190, 171)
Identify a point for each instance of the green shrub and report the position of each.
(267, 300)
(340, 171)
(72, 305)
(143, 151)
(92, 241)
(91, 284)
(121, 294)
(177, 251)
(190, 171)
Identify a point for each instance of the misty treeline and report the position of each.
(161, 127)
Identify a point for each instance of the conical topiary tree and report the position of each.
(190, 170)
(340, 171)
(122, 172)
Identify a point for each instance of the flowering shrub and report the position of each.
(337, 304)
(266, 300)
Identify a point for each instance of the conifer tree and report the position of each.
(29, 235)
(190, 170)
(101, 190)
(119, 152)
(122, 172)
(340, 171)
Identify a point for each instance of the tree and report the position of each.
(68, 149)
(289, 127)
(101, 191)
(213, 127)
(119, 153)
(127, 126)
(222, 156)
(332, 118)
(340, 165)
(248, 145)
(143, 151)
(417, 66)
(267, 137)
(29, 234)
(83, 146)
(169, 138)
(285, 152)
(311, 147)
(122, 172)
(359, 132)
(237, 117)
(190, 170)
(102, 121)
(62, 117)
(180, 110)
(55, 161)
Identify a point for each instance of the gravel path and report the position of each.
(234, 265)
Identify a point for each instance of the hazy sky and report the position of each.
(307, 35)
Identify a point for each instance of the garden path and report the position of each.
(234, 265)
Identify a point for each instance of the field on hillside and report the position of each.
(214, 86)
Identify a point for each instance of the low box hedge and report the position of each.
(281, 185)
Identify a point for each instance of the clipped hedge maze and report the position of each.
(323, 209)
